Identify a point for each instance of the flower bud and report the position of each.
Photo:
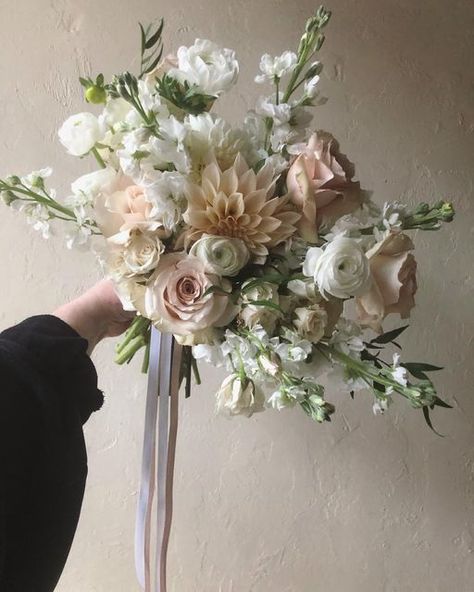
(95, 95)
(7, 197)
(447, 212)
(314, 70)
(270, 363)
(13, 180)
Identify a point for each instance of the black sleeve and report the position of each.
(48, 390)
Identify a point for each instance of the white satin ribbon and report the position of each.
(163, 386)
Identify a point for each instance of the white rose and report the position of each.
(238, 396)
(311, 322)
(80, 133)
(212, 69)
(142, 253)
(225, 256)
(341, 269)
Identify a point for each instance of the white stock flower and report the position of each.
(166, 196)
(211, 354)
(399, 373)
(36, 179)
(85, 189)
(239, 396)
(265, 107)
(79, 237)
(224, 256)
(212, 69)
(340, 269)
(276, 67)
(80, 133)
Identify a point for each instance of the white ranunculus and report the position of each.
(224, 256)
(80, 133)
(86, 189)
(212, 69)
(277, 67)
(340, 269)
(142, 252)
(238, 396)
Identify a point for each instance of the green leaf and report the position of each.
(143, 38)
(85, 82)
(267, 303)
(156, 37)
(99, 80)
(213, 290)
(390, 336)
(420, 366)
(426, 414)
(440, 403)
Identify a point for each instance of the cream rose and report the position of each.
(319, 184)
(124, 206)
(393, 270)
(260, 314)
(239, 396)
(142, 253)
(176, 299)
(311, 322)
(340, 269)
(225, 256)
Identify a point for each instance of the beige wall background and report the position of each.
(275, 503)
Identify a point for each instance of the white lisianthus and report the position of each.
(80, 133)
(224, 256)
(341, 269)
(311, 322)
(212, 69)
(239, 396)
(85, 189)
(277, 67)
(141, 253)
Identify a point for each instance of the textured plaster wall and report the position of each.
(275, 503)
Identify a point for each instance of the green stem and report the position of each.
(130, 350)
(98, 157)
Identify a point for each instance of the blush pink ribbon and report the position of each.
(158, 458)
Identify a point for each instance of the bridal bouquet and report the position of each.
(253, 245)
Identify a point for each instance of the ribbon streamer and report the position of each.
(159, 448)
